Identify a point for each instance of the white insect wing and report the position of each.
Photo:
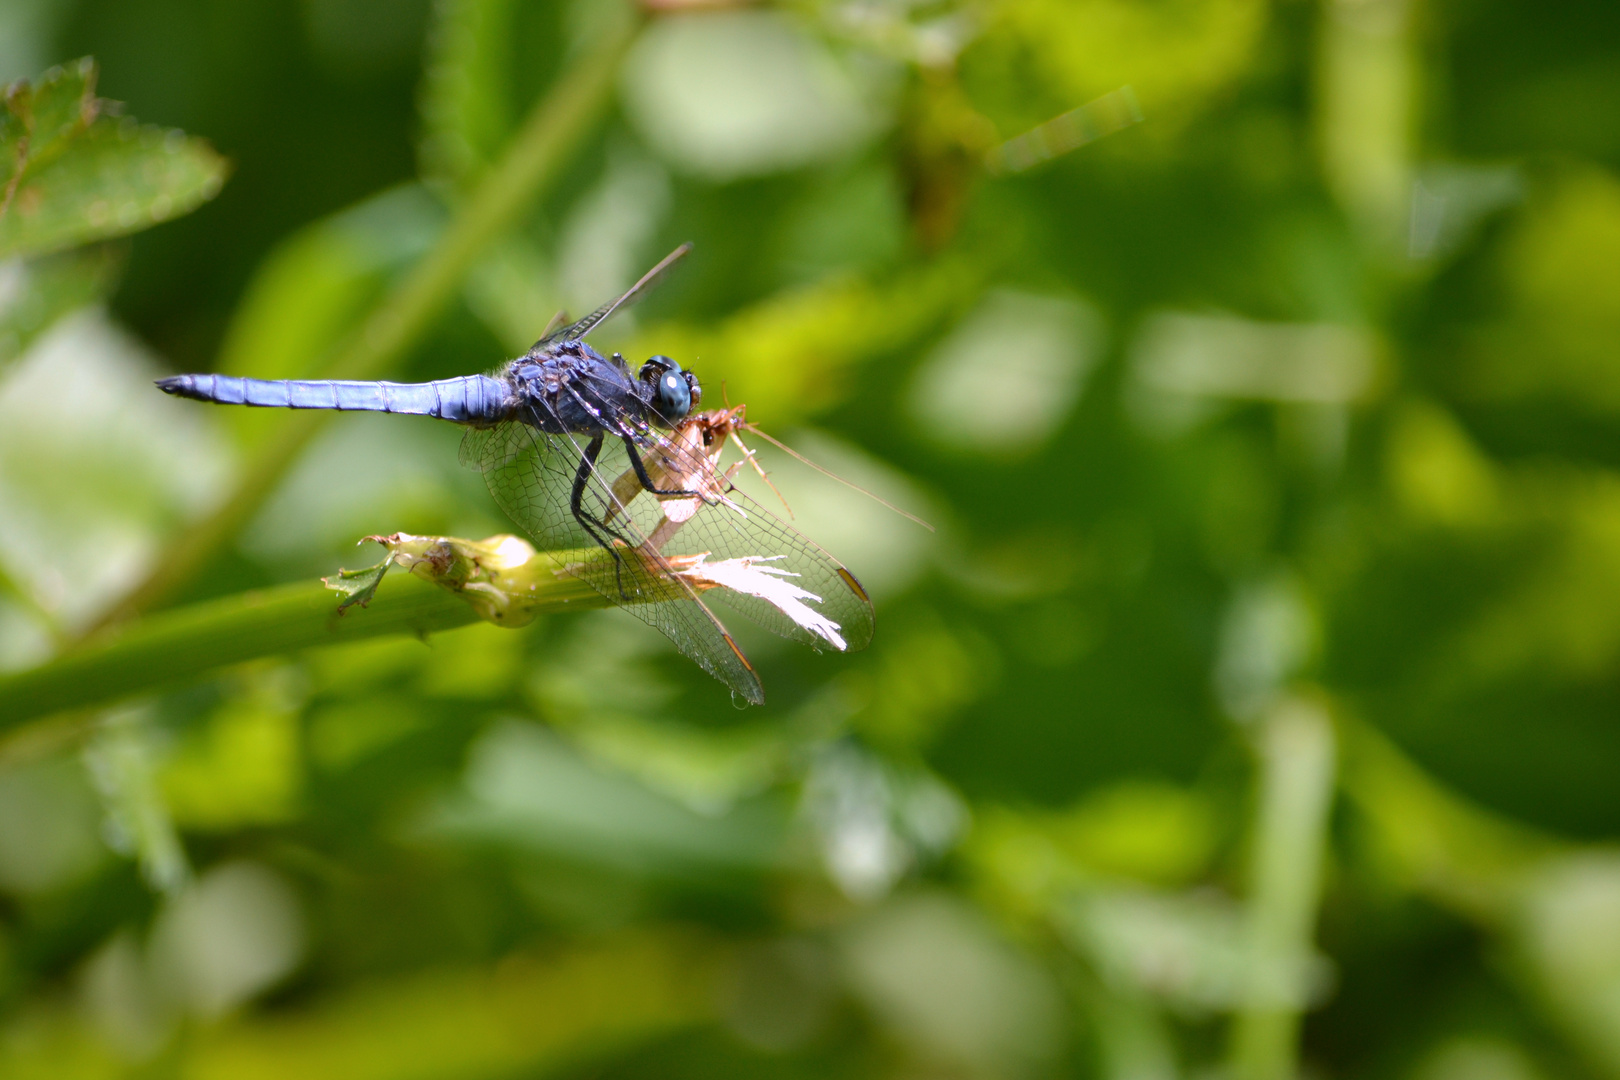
(749, 576)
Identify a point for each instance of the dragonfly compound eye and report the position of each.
(672, 390)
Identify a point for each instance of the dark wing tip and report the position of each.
(854, 586)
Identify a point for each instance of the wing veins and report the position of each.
(699, 633)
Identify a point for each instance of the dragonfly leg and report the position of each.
(641, 470)
(587, 465)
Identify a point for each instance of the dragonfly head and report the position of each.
(674, 392)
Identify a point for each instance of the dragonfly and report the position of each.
(617, 470)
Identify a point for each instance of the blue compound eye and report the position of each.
(672, 388)
(674, 396)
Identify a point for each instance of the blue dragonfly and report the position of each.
(617, 470)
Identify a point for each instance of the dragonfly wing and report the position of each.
(771, 572)
(532, 475)
(846, 620)
(487, 449)
(577, 330)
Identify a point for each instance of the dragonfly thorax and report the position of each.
(570, 387)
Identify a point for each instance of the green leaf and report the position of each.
(117, 177)
(41, 119)
(357, 586)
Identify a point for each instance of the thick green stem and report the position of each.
(537, 152)
(1296, 750)
(180, 645)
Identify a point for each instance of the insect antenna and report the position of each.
(748, 456)
(828, 472)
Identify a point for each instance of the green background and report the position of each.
(1252, 711)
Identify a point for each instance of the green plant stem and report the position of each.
(179, 645)
(1296, 750)
(553, 127)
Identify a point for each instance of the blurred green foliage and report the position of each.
(1251, 713)
(73, 175)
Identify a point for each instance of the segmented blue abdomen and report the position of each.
(469, 399)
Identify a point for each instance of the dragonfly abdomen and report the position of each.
(470, 399)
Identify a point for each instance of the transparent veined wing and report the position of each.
(575, 331)
(666, 558)
(757, 564)
(532, 475)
